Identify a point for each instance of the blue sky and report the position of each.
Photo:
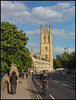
(29, 15)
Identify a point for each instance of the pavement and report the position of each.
(23, 91)
(26, 90)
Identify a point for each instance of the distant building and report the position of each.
(45, 62)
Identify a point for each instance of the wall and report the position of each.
(4, 85)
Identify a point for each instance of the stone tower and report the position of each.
(46, 51)
(32, 53)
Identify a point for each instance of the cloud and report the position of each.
(34, 32)
(57, 34)
(62, 34)
(34, 46)
(18, 12)
(56, 50)
(60, 50)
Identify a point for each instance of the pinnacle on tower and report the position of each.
(41, 25)
(50, 28)
(41, 28)
(46, 28)
(32, 53)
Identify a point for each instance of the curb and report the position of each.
(35, 90)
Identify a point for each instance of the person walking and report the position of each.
(60, 72)
(13, 81)
(20, 76)
(44, 80)
(26, 74)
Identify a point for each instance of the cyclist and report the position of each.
(44, 80)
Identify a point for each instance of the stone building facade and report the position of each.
(45, 61)
(46, 50)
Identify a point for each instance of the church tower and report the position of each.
(46, 51)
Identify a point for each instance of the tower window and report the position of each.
(46, 48)
(46, 56)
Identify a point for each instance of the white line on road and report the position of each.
(51, 96)
(41, 86)
(56, 81)
(67, 85)
(38, 83)
(35, 80)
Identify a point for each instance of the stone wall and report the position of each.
(13, 68)
(5, 85)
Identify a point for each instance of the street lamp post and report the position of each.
(66, 48)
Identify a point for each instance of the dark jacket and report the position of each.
(43, 77)
(13, 79)
(20, 74)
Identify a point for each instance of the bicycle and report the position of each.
(44, 86)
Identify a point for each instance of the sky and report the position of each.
(29, 15)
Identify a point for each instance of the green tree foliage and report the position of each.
(58, 57)
(13, 48)
(72, 61)
(68, 60)
(56, 64)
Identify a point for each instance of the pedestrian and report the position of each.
(60, 72)
(29, 72)
(13, 81)
(26, 74)
(20, 76)
(44, 80)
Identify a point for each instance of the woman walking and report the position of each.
(13, 81)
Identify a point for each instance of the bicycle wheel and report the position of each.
(44, 88)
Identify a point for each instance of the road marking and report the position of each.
(56, 81)
(35, 80)
(38, 83)
(35, 90)
(41, 86)
(67, 85)
(51, 96)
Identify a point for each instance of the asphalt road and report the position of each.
(59, 86)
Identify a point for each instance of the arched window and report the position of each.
(46, 48)
(44, 39)
(46, 56)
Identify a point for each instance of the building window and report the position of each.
(46, 56)
(46, 48)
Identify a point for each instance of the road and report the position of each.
(59, 86)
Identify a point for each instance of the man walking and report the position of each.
(13, 81)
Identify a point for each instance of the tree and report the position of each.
(58, 57)
(56, 64)
(72, 60)
(13, 48)
(68, 60)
